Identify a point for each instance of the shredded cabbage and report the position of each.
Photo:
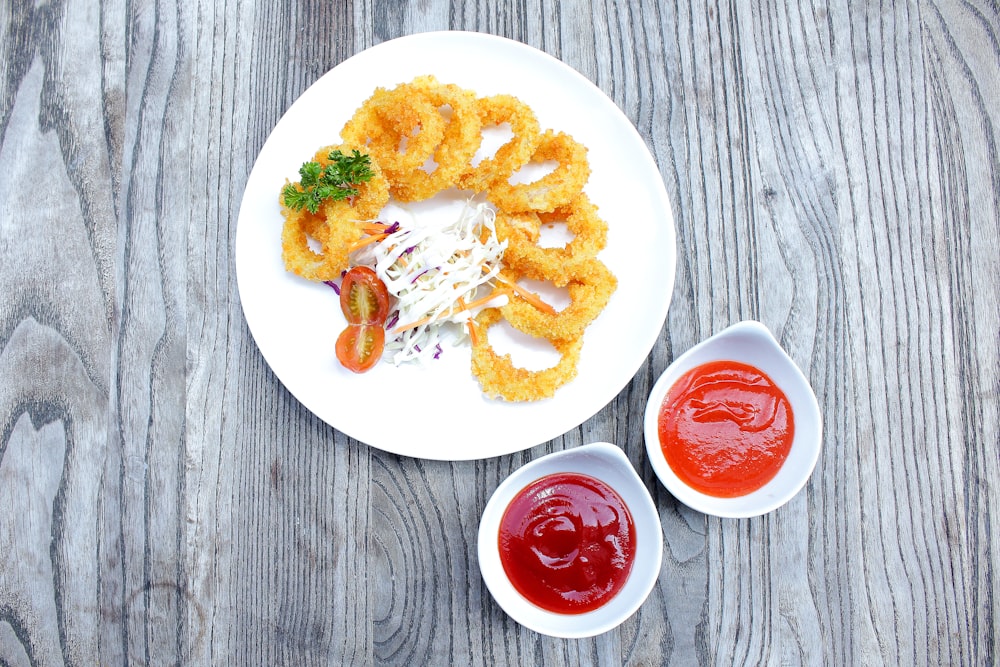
(432, 269)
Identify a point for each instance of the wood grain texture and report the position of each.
(164, 500)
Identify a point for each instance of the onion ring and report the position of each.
(460, 141)
(518, 228)
(590, 288)
(555, 189)
(500, 378)
(513, 154)
(334, 226)
(590, 234)
(398, 128)
(296, 252)
(343, 218)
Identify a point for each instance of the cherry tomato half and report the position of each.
(359, 346)
(363, 297)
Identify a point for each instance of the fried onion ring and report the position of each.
(343, 218)
(296, 252)
(512, 155)
(590, 288)
(518, 228)
(461, 140)
(334, 226)
(590, 234)
(398, 128)
(554, 189)
(500, 378)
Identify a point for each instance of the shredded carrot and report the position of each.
(473, 331)
(469, 323)
(528, 296)
(412, 325)
(482, 300)
(362, 242)
(462, 306)
(374, 227)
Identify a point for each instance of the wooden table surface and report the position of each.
(833, 171)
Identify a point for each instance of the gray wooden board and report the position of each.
(834, 174)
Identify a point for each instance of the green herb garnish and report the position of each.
(335, 181)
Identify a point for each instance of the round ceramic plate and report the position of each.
(437, 410)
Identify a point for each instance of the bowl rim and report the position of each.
(590, 459)
(773, 360)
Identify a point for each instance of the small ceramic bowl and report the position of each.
(610, 465)
(748, 342)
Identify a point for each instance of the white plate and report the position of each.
(438, 411)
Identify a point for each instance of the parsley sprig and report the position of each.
(335, 181)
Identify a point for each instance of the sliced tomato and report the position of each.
(359, 346)
(363, 297)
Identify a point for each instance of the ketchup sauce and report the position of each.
(567, 543)
(725, 428)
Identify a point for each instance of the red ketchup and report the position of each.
(567, 543)
(725, 428)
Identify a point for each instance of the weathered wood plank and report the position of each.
(60, 141)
